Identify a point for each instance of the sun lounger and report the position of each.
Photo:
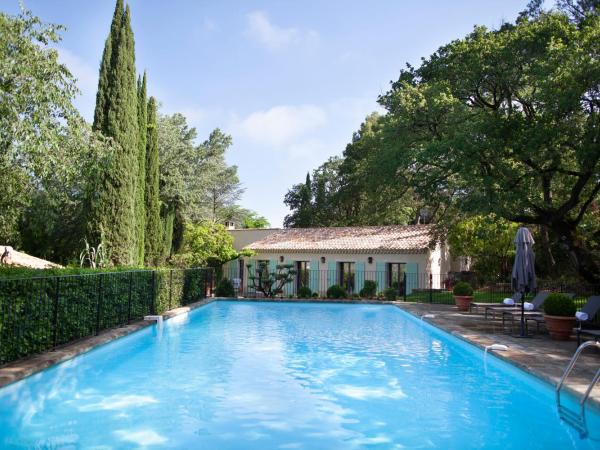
(537, 302)
(516, 297)
(591, 308)
(536, 314)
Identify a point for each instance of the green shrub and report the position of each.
(463, 289)
(336, 291)
(369, 289)
(315, 295)
(225, 288)
(41, 312)
(390, 294)
(304, 292)
(355, 296)
(559, 305)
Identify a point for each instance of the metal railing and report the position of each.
(39, 314)
(414, 287)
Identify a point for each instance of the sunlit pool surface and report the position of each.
(241, 375)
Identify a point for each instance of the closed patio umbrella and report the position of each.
(523, 273)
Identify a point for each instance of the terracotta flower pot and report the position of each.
(463, 302)
(560, 327)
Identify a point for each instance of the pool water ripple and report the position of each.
(239, 375)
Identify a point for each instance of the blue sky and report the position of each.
(290, 81)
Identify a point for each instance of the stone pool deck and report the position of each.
(538, 355)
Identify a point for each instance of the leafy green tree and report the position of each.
(299, 200)
(53, 224)
(36, 111)
(209, 244)
(253, 220)
(223, 187)
(179, 191)
(112, 208)
(516, 139)
(141, 205)
(196, 184)
(488, 240)
(154, 239)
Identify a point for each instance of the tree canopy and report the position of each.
(502, 122)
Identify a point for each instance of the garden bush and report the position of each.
(463, 289)
(390, 294)
(336, 291)
(315, 295)
(225, 288)
(559, 305)
(39, 313)
(304, 292)
(369, 289)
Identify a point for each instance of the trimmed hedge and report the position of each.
(463, 289)
(336, 291)
(304, 292)
(369, 289)
(40, 313)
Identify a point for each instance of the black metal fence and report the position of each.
(413, 287)
(38, 314)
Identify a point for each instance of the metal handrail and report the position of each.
(568, 371)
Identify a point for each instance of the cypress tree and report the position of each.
(140, 206)
(153, 224)
(112, 205)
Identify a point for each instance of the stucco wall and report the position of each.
(325, 274)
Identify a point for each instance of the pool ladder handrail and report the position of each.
(578, 421)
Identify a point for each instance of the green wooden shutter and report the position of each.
(313, 282)
(331, 273)
(359, 276)
(380, 276)
(412, 277)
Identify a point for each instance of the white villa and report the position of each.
(392, 256)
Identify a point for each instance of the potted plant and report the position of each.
(559, 314)
(463, 295)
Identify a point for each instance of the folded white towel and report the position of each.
(580, 315)
(528, 306)
(508, 301)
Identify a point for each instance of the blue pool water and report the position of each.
(237, 375)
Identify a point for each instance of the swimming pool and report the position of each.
(246, 375)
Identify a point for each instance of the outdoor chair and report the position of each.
(591, 308)
(537, 302)
(533, 315)
(516, 297)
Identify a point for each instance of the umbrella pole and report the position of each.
(523, 314)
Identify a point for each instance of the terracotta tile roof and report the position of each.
(382, 239)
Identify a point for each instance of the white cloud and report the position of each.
(275, 37)
(281, 125)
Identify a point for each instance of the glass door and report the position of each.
(346, 276)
